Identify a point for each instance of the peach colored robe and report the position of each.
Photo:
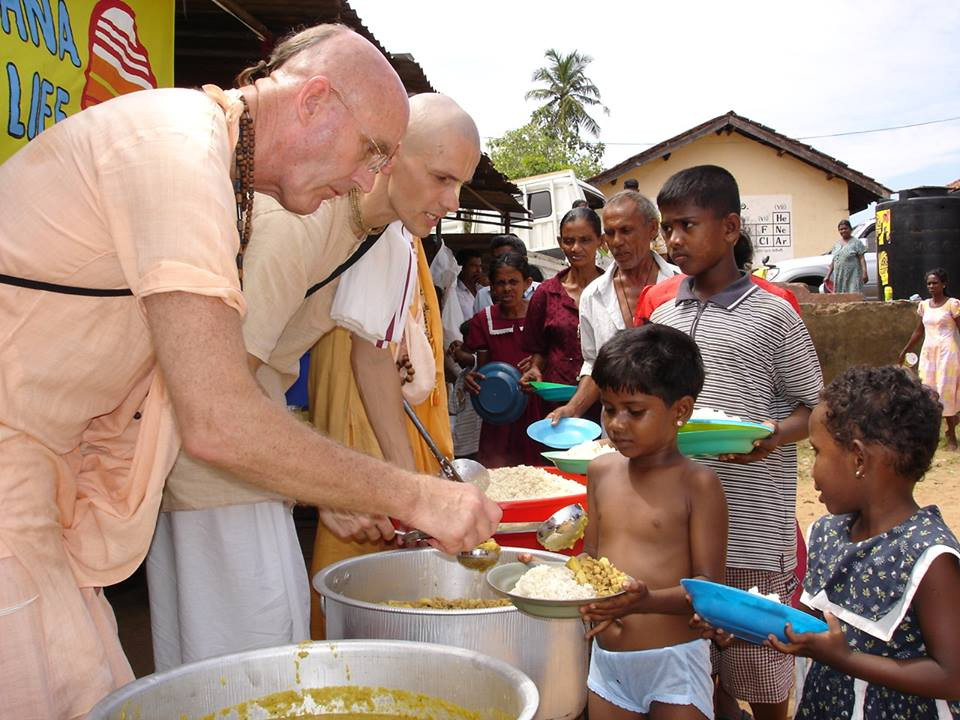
(133, 193)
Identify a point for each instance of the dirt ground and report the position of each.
(940, 486)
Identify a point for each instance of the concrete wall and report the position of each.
(818, 203)
(858, 333)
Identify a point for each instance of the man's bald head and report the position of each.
(330, 106)
(437, 119)
(439, 153)
(360, 73)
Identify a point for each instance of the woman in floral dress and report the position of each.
(939, 365)
(848, 268)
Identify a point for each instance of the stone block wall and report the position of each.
(858, 333)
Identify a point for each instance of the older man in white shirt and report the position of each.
(630, 224)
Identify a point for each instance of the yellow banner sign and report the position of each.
(61, 56)
(883, 226)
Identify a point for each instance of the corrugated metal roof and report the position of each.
(216, 39)
(861, 189)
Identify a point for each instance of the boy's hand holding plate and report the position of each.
(605, 612)
(761, 447)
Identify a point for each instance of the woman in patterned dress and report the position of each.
(939, 366)
(848, 267)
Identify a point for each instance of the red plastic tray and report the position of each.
(540, 509)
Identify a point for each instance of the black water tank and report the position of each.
(916, 233)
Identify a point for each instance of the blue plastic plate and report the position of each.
(748, 616)
(501, 401)
(553, 392)
(565, 434)
(715, 437)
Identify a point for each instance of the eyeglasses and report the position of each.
(378, 157)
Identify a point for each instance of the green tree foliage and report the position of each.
(534, 149)
(551, 140)
(566, 94)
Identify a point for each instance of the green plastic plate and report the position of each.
(576, 467)
(720, 437)
(553, 392)
(503, 578)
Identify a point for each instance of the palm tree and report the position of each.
(568, 93)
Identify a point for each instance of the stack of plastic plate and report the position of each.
(719, 437)
(501, 401)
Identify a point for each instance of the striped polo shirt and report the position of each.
(760, 364)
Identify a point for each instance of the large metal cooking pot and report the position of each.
(229, 686)
(552, 652)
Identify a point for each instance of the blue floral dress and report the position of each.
(847, 274)
(869, 587)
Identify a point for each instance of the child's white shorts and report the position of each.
(677, 675)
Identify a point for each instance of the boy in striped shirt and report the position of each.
(760, 366)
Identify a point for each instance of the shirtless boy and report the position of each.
(659, 517)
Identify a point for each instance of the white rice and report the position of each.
(525, 482)
(711, 414)
(552, 582)
(587, 450)
(755, 590)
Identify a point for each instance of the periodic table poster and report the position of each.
(768, 219)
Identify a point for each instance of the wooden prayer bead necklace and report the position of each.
(243, 181)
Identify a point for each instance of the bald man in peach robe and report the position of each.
(97, 391)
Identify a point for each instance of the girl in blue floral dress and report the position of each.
(884, 572)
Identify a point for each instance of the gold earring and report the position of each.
(859, 473)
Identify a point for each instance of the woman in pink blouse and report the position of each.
(552, 331)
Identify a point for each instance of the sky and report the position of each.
(802, 68)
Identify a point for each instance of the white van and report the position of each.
(548, 197)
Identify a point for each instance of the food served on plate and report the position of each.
(755, 590)
(601, 574)
(581, 578)
(525, 482)
(711, 414)
(586, 450)
(552, 582)
(442, 603)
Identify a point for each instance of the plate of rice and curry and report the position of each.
(558, 590)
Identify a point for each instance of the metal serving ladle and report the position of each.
(459, 470)
(479, 558)
(558, 532)
(561, 530)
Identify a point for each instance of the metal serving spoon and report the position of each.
(561, 530)
(461, 469)
(479, 558)
(558, 532)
